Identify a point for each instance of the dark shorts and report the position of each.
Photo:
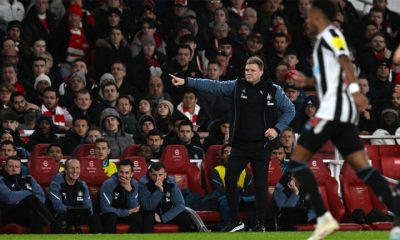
(343, 135)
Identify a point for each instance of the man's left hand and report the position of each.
(271, 133)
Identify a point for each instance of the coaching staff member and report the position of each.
(261, 112)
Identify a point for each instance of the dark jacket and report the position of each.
(63, 196)
(14, 188)
(275, 100)
(107, 53)
(167, 204)
(115, 199)
(71, 141)
(34, 29)
(38, 137)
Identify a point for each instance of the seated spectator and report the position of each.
(84, 105)
(125, 86)
(156, 91)
(146, 107)
(308, 111)
(218, 134)
(146, 123)
(41, 82)
(9, 135)
(44, 133)
(293, 93)
(119, 200)
(163, 118)
(60, 115)
(6, 90)
(76, 82)
(55, 151)
(197, 115)
(114, 132)
(389, 125)
(93, 134)
(279, 152)
(71, 201)
(244, 184)
(287, 195)
(124, 106)
(161, 200)
(27, 113)
(185, 135)
(146, 152)
(287, 140)
(173, 138)
(102, 152)
(110, 93)
(76, 136)
(23, 198)
(10, 121)
(155, 140)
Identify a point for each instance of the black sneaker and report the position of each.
(258, 227)
(234, 226)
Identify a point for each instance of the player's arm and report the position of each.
(353, 87)
(302, 81)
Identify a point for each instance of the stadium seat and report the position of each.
(177, 164)
(211, 159)
(2, 162)
(327, 151)
(43, 169)
(274, 175)
(130, 150)
(38, 150)
(84, 150)
(356, 194)
(93, 174)
(391, 167)
(139, 166)
(373, 155)
(19, 229)
(389, 151)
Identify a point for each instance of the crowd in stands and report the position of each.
(97, 72)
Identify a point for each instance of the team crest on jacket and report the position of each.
(243, 95)
(269, 98)
(80, 196)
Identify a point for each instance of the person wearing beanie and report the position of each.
(146, 123)
(41, 82)
(165, 111)
(218, 133)
(388, 125)
(243, 32)
(44, 133)
(113, 128)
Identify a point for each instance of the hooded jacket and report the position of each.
(118, 141)
(63, 196)
(141, 136)
(115, 199)
(38, 137)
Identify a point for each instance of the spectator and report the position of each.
(244, 30)
(44, 133)
(368, 118)
(293, 93)
(155, 140)
(163, 118)
(10, 121)
(254, 46)
(84, 105)
(146, 108)
(119, 200)
(307, 111)
(8, 135)
(113, 128)
(10, 11)
(118, 70)
(244, 184)
(93, 134)
(156, 91)
(9, 75)
(218, 133)
(76, 135)
(15, 32)
(235, 58)
(110, 93)
(279, 153)
(198, 53)
(185, 135)
(41, 82)
(60, 115)
(161, 200)
(194, 113)
(55, 151)
(124, 106)
(388, 125)
(146, 123)
(113, 21)
(77, 82)
(287, 140)
(102, 152)
(146, 152)
(23, 197)
(71, 201)
(280, 43)
(6, 90)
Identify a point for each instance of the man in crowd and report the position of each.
(185, 135)
(155, 141)
(102, 152)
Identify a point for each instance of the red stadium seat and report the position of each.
(177, 164)
(130, 150)
(157, 228)
(139, 166)
(210, 161)
(92, 172)
(2, 162)
(39, 150)
(43, 169)
(389, 150)
(327, 151)
(391, 167)
(356, 194)
(84, 150)
(274, 175)
(373, 155)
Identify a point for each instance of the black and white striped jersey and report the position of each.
(336, 103)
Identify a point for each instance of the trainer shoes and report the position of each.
(234, 226)
(326, 224)
(395, 233)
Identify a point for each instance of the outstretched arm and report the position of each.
(224, 88)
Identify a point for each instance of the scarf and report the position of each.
(58, 117)
(192, 117)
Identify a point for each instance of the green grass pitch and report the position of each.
(364, 235)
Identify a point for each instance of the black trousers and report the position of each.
(238, 160)
(77, 220)
(29, 212)
(182, 219)
(110, 221)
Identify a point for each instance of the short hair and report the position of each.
(152, 23)
(51, 89)
(191, 90)
(185, 46)
(8, 142)
(81, 117)
(102, 140)
(119, 62)
(39, 59)
(186, 123)
(79, 60)
(125, 162)
(16, 94)
(53, 145)
(256, 60)
(280, 34)
(154, 132)
(187, 38)
(109, 84)
(378, 34)
(69, 160)
(214, 62)
(156, 166)
(16, 158)
(83, 91)
(376, 9)
(129, 97)
(290, 129)
(7, 64)
(326, 7)
(95, 129)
